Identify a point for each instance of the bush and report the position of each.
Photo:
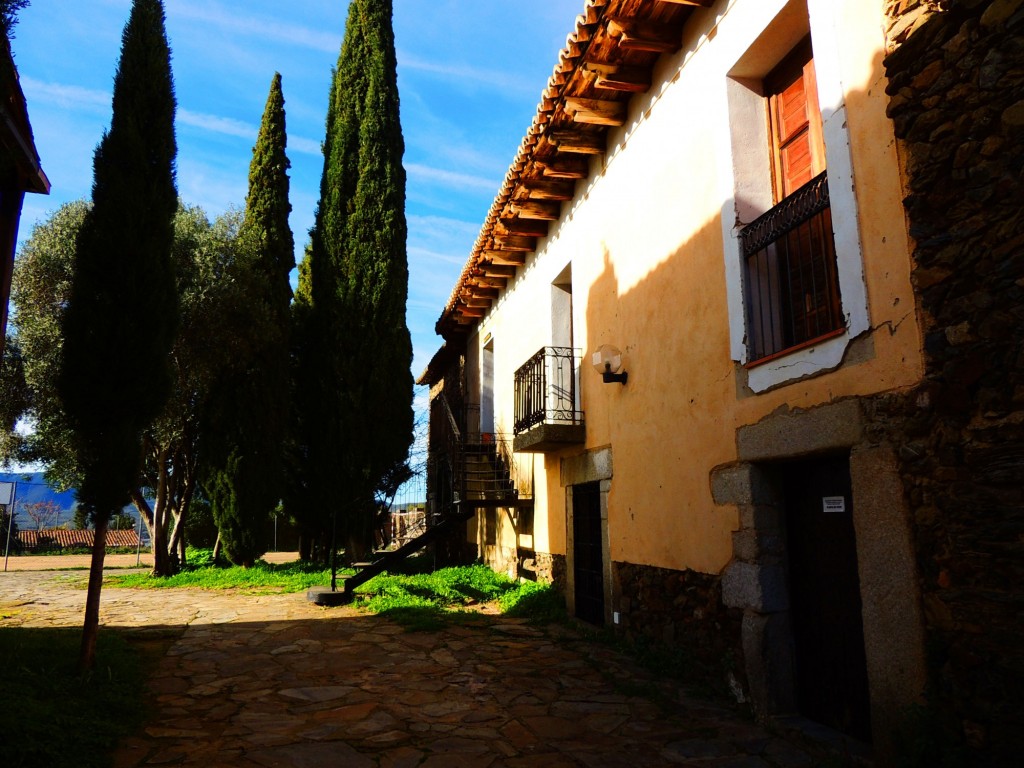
(540, 603)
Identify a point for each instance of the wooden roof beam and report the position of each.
(515, 243)
(614, 77)
(697, 3)
(565, 168)
(596, 111)
(470, 312)
(489, 282)
(515, 258)
(578, 142)
(497, 270)
(479, 292)
(549, 190)
(636, 35)
(536, 210)
(525, 225)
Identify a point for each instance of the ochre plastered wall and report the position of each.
(644, 238)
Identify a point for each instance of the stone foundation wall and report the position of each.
(684, 610)
(956, 87)
(543, 567)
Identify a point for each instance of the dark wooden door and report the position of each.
(832, 685)
(588, 562)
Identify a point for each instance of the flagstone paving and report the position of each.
(272, 680)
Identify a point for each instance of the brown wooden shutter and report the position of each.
(795, 121)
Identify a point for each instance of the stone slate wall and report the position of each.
(956, 87)
(682, 610)
(543, 567)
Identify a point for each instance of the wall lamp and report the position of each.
(607, 361)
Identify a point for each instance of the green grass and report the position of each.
(417, 600)
(538, 602)
(49, 714)
(430, 601)
(261, 578)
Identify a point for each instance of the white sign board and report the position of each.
(833, 503)
(6, 494)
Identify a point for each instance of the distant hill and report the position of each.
(33, 488)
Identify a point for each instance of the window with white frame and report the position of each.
(793, 258)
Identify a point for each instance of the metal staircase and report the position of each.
(468, 476)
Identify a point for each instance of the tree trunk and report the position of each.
(91, 628)
(143, 507)
(216, 548)
(356, 550)
(161, 561)
(177, 534)
(178, 537)
(161, 517)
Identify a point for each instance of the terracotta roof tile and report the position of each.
(591, 41)
(66, 539)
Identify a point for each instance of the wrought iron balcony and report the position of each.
(792, 284)
(547, 416)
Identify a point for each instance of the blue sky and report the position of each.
(470, 74)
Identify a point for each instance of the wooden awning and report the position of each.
(606, 60)
(21, 168)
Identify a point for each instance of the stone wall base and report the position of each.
(543, 567)
(682, 610)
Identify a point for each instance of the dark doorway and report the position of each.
(831, 671)
(588, 568)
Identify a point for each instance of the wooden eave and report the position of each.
(609, 56)
(16, 131)
(439, 364)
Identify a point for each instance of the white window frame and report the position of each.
(746, 173)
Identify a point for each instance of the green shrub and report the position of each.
(540, 603)
(443, 588)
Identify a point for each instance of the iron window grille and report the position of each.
(792, 285)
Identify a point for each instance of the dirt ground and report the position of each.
(274, 681)
(144, 560)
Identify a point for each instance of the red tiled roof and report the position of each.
(66, 539)
(607, 58)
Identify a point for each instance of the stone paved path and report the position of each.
(274, 681)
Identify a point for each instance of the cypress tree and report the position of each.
(298, 502)
(245, 483)
(121, 317)
(359, 280)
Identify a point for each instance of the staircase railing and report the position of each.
(481, 471)
(453, 455)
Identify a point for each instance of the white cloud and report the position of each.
(215, 124)
(442, 226)
(270, 29)
(66, 96)
(304, 146)
(451, 178)
(465, 73)
(425, 254)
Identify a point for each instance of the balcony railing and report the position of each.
(546, 413)
(791, 279)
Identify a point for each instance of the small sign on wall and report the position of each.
(6, 494)
(833, 503)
